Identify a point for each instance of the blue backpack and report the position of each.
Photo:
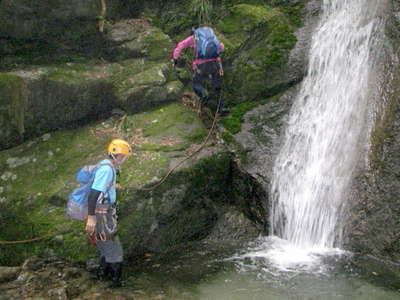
(207, 44)
(77, 204)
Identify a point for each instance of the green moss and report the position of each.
(38, 171)
(144, 167)
(173, 120)
(17, 223)
(120, 74)
(198, 135)
(265, 41)
(234, 121)
(158, 45)
(152, 76)
(12, 108)
(70, 73)
(227, 136)
(37, 176)
(162, 148)
(242, 20)
(281, 41)
(294, 13)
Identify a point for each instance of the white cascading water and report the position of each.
(326, 129)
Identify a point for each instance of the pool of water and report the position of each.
(209, 272)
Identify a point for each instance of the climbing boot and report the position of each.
(103, 271)
(116, 272)
(223, 111)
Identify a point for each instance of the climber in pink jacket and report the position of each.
(206, 64)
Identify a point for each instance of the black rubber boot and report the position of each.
(103, 271)
(204, 100)
(223, 111)
(116, 272)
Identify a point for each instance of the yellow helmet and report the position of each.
(118, 146)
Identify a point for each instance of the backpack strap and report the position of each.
(112, 180)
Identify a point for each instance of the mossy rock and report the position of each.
(242, 19)
(146, 89)
(40, 99)
(47, 19)
(263, 37)
(134, 38)
(37, 176)
(13, 96)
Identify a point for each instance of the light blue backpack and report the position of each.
(77, 204)
(207, 44)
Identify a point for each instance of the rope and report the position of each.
(191, 155)
(26, 241)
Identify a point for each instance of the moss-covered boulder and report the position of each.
(259, 137)
(37, 176)
(40, 99)
(373, 221)
(260, 39)
(146, 88)
(13, 98)
(134, 38)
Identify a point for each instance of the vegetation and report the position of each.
(37, 175)
(234, 120)
(201, 9)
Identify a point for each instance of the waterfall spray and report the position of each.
(327, 126)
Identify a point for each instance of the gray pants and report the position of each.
(107, 241)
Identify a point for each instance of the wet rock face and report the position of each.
(263, 126)
(45, 19)
(255, 65)
(373, 224)
(260, 140)
(193, 204)
(260, 136)
(267, 53)
(233, 226)
(134, 38)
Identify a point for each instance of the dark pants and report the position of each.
(208, 70)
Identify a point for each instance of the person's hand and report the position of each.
(221, 72)
(90, 224)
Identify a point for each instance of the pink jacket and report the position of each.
(189, 42)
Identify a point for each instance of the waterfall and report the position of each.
(327, 126)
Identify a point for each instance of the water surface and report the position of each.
(207, 272)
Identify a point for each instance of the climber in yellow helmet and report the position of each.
(101, 223)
